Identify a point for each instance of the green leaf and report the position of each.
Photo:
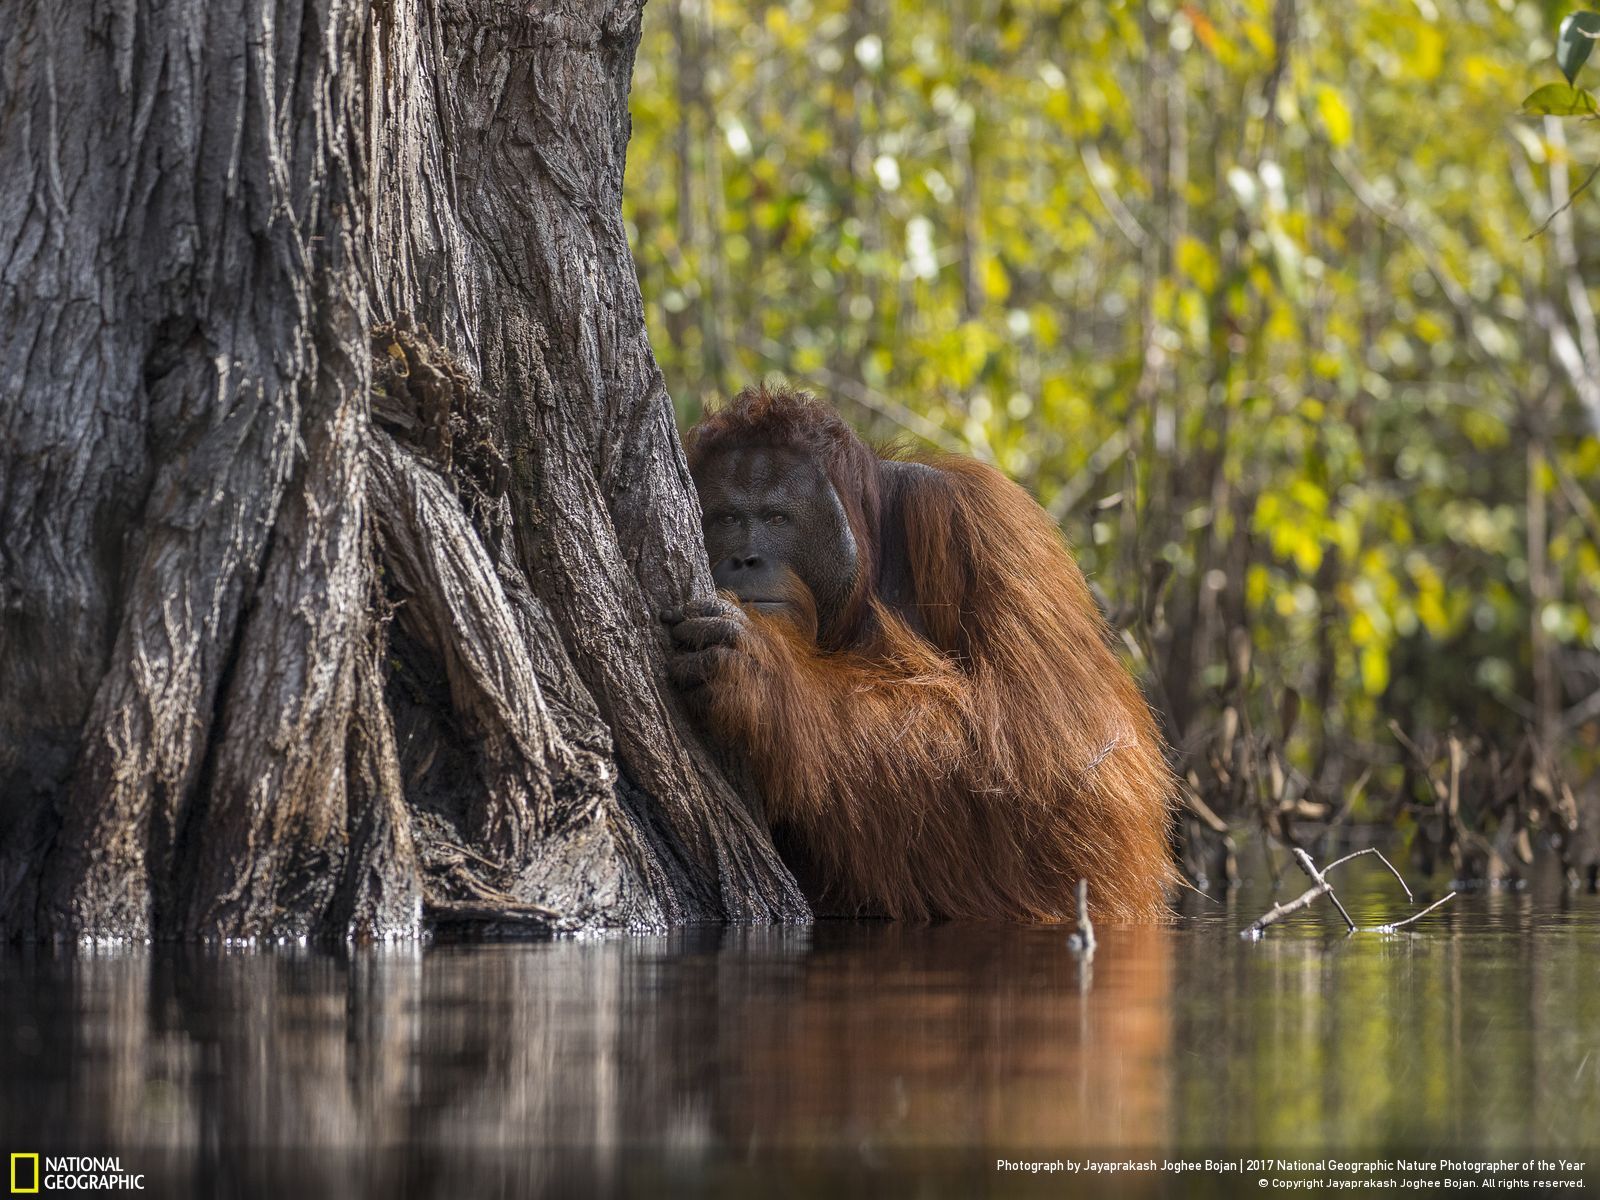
(1561, 100)
(1576, 39)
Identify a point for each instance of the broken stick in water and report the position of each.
(1279, 911)
(1321, 887)
(1310, 868)
(1416, 917)
(1081, 940)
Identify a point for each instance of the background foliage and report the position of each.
(1245, 293)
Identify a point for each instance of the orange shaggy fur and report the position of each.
(976, 772)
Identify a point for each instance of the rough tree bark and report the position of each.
(338, 485)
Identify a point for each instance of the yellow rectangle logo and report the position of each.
(16, 1186)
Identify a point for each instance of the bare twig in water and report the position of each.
(1339, 862)
(1321, 887)
(1081, 941)
(1310, 868)
(1415, 917)
(1279, 911)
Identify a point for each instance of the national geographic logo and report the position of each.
(30, 1174)
(24, 1174)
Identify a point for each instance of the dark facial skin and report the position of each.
(772, 516)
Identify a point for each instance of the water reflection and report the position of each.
(625, 1064)
(1477, 1030)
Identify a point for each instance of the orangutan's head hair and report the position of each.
(772, 415)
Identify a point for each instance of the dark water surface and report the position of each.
(839, 1059)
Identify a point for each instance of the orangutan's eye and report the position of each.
(777, 518)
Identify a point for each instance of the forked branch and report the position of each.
(1321, 887)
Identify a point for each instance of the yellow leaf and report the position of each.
(1427, 57)
(1433, 615)
(1256, 33)
(1256, 584)
(996, 284)
(1374, 670)
(1308, 555)
(1335, 116)
(1197, 262)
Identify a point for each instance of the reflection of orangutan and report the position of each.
(918, 675)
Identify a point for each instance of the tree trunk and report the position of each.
(338, 487)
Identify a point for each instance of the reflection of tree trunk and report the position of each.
(334, 455)
(560, 1065)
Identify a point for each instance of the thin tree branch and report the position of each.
(1278, 911)
(1576, 192)
(1310, 868)
(1121, 216)
(1082, 940)
(1339, 862)
(1321, 887)
(1415, 917)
